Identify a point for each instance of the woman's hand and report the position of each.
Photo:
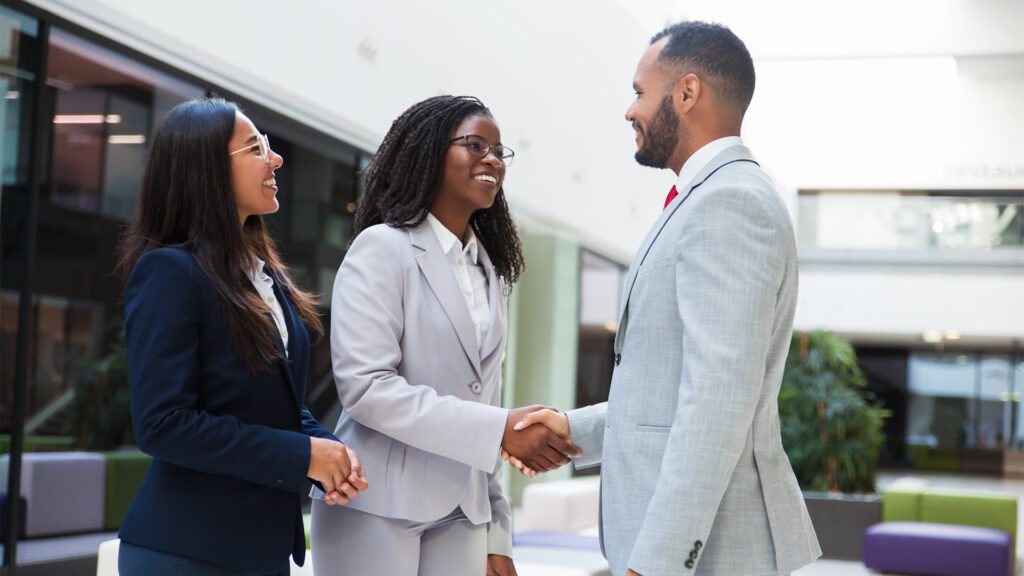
(498, 565)
(337, 468)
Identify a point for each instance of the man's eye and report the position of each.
(255, 148)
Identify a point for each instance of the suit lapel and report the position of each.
(291, 322)
(433, 263)
(495, 302)
(727, 156)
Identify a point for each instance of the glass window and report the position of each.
(105, 106)
(19, 55)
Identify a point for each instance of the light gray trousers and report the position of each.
(347, 542)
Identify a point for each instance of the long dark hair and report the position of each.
(186, 200)
(404, 175)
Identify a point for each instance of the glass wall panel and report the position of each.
(102, 108)
(911, 220)
(19, 84)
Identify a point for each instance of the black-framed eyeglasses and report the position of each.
(479, 147)
(262, 143)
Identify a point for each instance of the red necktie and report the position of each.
(671, 195)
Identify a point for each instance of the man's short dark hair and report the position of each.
(715, 55)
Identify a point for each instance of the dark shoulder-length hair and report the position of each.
(406, 172)
(186, 200)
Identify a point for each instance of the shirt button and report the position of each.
(461, 261)
(476, 387)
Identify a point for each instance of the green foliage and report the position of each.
(831, 427)
(100, 414)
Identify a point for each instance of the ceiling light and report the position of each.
(87, 119)
(126, 139)
(952, 335)
(932, 336)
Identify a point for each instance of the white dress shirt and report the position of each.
(265, 287)
(469, 273)
(699, 159)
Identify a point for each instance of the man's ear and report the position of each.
(686, 92)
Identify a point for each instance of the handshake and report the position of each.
(537, 439)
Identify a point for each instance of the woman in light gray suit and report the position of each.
(417, 339)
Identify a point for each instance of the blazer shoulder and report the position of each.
(167, 268)
(381, 240)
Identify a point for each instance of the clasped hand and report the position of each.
(532, 448)
(336, 467)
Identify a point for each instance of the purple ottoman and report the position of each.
(937, 549)
(556, 540)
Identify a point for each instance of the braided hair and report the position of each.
(406, 172)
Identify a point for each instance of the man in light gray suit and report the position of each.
(694, 476)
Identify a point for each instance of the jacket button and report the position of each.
(689, 564)
(693, 554)
(697, 545)
(476, 387)
(618, 358)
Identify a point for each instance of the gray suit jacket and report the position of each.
(421, 403)
(694, 478)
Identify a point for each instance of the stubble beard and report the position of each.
(661, 137)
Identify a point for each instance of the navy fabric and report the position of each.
(230, 448)
(138, 561)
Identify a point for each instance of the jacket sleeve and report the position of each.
(163, 314)
(499, 531)
(728, 274)
(586, 426)
(367, 324)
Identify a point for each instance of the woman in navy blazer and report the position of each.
(218, 353)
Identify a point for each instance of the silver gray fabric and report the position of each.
(421, 400)
(346, 541)
(694, 476)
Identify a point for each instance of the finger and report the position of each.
(329, 485)
(564, 447)
(357, 476)
(348, 490)
(505, 455)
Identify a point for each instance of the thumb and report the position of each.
(531, 419)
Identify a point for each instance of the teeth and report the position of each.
(486, 178)
(271, 182)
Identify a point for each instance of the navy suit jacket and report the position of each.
(230, 448)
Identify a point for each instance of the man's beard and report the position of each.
(660, 138)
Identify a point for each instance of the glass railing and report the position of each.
(911, 222)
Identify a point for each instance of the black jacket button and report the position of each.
(697, 545)
(689, 564)
(693, 554)
(618, 358)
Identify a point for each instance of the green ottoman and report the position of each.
(125, 471)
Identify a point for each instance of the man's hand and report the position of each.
(553, 420)
(536, 447)
(337, 468)
(498, 565)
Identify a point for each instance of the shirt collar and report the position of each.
(701, 158)
(448, 240)
(257, 273)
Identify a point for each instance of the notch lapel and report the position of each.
(433, 263)
(495, 302)
(292, 323)
(725, 157)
